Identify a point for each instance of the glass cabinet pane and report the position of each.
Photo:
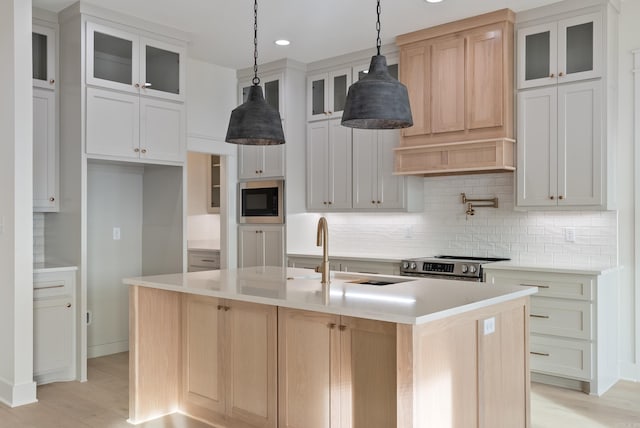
(537, 55)
(580, 48)
(214, 191)
(162, 70)
(272, 93)
(339, 92)
(112, 58)
(393, 71)
(317, 97)
(245, 93)
(39, 56)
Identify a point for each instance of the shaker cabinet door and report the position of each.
(448, 85)
(162, 130)
(45, 165)
(580, 48)
(537, 55)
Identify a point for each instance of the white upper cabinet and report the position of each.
(329, 166)
(560, 51)
(272, 89)
(45, 151)
(135, 96)
(43, 53)
(125, 61)
(327, 94)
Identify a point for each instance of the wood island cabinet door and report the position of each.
(252, 363)
(368, 373)
(485, 78)
(203, 376)
(447, 85)
(308, 369)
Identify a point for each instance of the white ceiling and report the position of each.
(222, 30)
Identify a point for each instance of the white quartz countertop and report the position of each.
(413, 301)
(207, 245)
(585, 269)
(355, 257)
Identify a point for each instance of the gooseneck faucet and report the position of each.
(323, 240)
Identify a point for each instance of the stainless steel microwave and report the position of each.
(261, 202)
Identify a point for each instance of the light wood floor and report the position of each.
(103, 403)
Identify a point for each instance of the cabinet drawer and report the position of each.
(53, 284)
(560, 317)
(565, 286)
(204, 260)
(563, 357)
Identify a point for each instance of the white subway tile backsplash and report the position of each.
(443, 227)
(38, 237)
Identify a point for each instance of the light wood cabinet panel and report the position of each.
(203, 375)
(368, 373)
(485, 73)
(308, 369)
(462, 73)
(251, 368)
(229, 361)
(448, 85)
(414, 73)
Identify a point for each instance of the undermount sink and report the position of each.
(355, 278)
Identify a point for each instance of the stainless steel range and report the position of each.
(448, 267)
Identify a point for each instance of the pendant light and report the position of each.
(255, 122)
(377, 101)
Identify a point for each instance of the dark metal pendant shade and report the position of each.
(377, 101)
(255, 122)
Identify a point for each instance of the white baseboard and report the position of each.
(17, 395)
(107, 349)
(630, 371)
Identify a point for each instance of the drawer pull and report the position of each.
(49, 287)
(68, 305)
(542, 354)
(539, 316)
(535, 285)
(208, 260)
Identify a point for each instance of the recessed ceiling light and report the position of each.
(433, 1)
(282, 42)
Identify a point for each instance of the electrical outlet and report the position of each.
(116, 233)
(1, 225)
(489, 325)
(570, 234)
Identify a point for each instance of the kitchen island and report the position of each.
(260, 347)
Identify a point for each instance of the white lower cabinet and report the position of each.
(200, 260)
(382, 267)
(260, 245)
(45, 158)
(573, 326)
(128, 126)
(54, 327)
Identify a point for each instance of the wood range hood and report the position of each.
(460, 81)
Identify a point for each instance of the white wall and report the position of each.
(443, 228)
(114, 199)
(16, 224)
(629, 39)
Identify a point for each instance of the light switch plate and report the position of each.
(490, 326)
(116, 233)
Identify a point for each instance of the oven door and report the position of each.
(437, 276)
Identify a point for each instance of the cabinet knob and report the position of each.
(329, 112)
(331, 326)
(144, 150)
(343, 327)
(330, 202)
(52, 199)
(220, 307)
(378, 202)
(52, 81)
(260, 171)
(257, 171)
(325, 202)
(68, 305)
(226, 308)
(137, 85)
(373, 202)
(561, 74)
(552, 197)
(552, 75)
(136, 150)
(560, 197)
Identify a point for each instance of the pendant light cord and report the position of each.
(256, 79)
(378, 41)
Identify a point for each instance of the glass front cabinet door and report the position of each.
(43, 52)
(559, 52)
(122, 60)
(327, 94)
(271, 89)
